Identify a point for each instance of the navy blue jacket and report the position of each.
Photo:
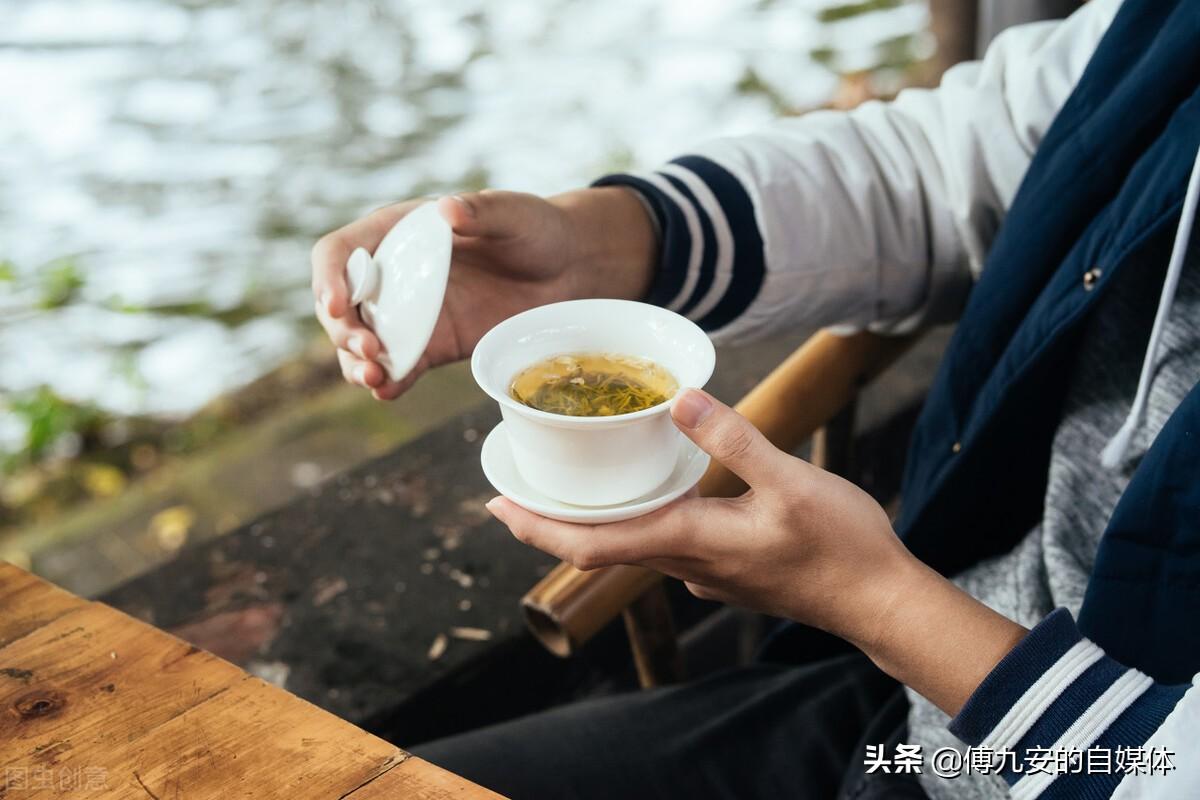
(1104, 191)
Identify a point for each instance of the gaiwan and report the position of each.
(585, 390)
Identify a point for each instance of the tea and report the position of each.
(593, 385)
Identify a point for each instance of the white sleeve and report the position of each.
(1177, 736)
(880, 216)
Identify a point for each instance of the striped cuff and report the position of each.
(1057, 690)
(712, 262)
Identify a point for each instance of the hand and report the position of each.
(803, 544)
(512, 252)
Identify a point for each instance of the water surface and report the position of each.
(165, 166)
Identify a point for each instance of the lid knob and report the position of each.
(362, 274)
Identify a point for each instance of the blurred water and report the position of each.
(165, 165)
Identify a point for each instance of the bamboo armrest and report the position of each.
(567, 607)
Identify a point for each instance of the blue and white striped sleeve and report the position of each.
(712, 259)
(1057, 692)
(878, 217)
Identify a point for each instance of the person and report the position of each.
(1034, 607)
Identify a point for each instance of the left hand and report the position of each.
(802, 543)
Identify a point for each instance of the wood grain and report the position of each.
(27, 603)
(93, 678)
(417, 779)
(250, 741)
(97, 703)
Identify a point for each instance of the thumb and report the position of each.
(484, 213)
(725, 435)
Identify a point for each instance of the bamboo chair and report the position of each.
(811, 394)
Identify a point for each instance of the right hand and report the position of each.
(512, 252)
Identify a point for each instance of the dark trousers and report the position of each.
(762, 731)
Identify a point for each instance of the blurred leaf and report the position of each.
(618, 159)
(60, 280)
(171, 526)
(279, 225)
(825, 56)
(48, 418)
(751, 83)
(848, 10)
(258, 304)
(125, 364)
(103, 480)
(8, 271)
(896, 52)
(116, 303)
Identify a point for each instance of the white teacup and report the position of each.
(592, 461)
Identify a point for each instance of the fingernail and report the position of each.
(692, 408)
(326, 299)
(492, 506)
(355, 345)
(462, 201)
(360, 374)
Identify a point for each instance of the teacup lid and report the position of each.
(399, 290)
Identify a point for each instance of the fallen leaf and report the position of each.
(471, 634)
(438, 648)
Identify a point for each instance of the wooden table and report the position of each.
(96, 704)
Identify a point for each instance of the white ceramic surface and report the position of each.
(498, 466)
(399, 289)
(592, 461)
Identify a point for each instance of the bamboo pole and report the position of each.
(651, 632)
(567, 607)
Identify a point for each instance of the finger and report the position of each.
(657, 536)
(367, 374)
(390, 390)
(575, 544)
(330, 253)
(348, 332)
(701, 591)
(486, 213)
(727, 436)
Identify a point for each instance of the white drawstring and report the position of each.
(1114, 452)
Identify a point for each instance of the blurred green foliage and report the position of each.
(59, 282)
(48, 417)
(894, 54)
(846, 10)
(752, 83)
(259, 305)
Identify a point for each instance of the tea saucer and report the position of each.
(501, 472)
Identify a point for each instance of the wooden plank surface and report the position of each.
(417, 779)
(252, 740)
(67, 679)
(27, 603)
(97, 704)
